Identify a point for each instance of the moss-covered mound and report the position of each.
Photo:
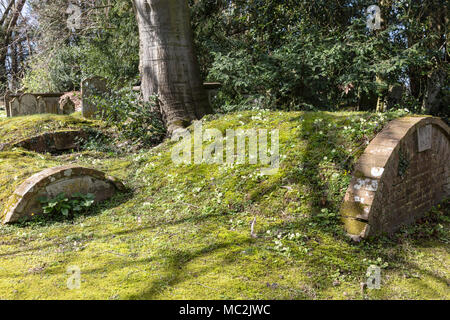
(19, 128)
(185, 230)
(17, 165)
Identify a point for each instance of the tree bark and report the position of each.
(8, 24)
(385, 6)
(168, 64)
(431, 100)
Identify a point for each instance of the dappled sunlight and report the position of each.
(183, 232)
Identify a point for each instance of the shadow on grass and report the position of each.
(176, 260)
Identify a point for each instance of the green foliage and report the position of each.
(109, 48)
(274, 54)
(98, 141)
(320, 54)
(134, 120)
(60, 72)
(65, 206)
(326, 218)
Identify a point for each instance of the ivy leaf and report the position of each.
(65, 212)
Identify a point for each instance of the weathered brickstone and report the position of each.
(403, 173)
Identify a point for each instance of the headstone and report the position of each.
(28, 104)
(14, 107)
(75, 97)
(52, 104)
(424, 138)
(89, 88)
(66, 106)
(41, 105)
(32, 103)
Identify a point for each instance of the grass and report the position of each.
(183, 232)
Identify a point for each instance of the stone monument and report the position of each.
(89, 88)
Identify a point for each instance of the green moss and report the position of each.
(184, 231)
(19, 128)
(353, 226)
(15, 167)
(352, 209)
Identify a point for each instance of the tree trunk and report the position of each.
(14, 66)
(168, 64)
(8, 23)
(385, 6)
(381, 101)
(438, 25)
(431, 99)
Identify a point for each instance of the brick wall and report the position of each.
(403, 173)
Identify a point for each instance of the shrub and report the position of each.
(134, 120)
(65, 206)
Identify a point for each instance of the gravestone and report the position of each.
(14, 107)
(28, 104)
(66, 105)
(89, 88)
(41, 105)
(32, 103)
(74, 97)
(52, 104)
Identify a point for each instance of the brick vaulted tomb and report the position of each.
(403, 172)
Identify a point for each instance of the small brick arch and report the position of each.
(50, 182)
(403, 172)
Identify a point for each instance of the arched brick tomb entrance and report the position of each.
(51, 182)
(403, 172)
